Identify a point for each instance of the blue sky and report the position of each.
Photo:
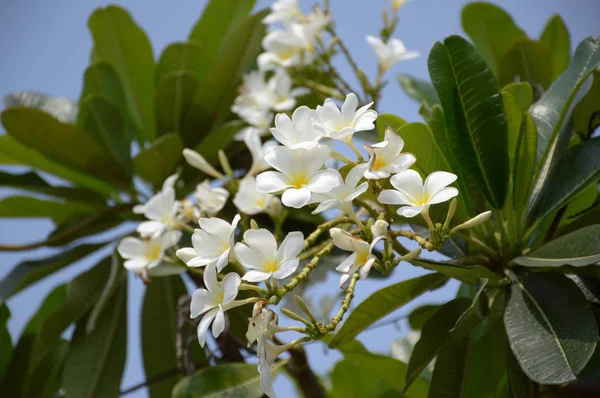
(45, 47)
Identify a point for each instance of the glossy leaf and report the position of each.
(590, 217)
(174, 99)
(14, 153)
(576, 171)
(159, 326)
(384, 302)
(29, 207)
(556, 36)
(475, 121)
(188, 56)
(539, 324)
(520, 384)
(579, 248)
(523, 94)
(119, 41)
(219, 20)
(236, 379)
(586, 115)
(527, 61)
(418, 89)
(62, 109)
(32, 182)
(464, 273)
(107, 345)
(155, 163)
(551, 113)
(491, 29)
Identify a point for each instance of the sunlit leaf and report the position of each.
(557, 38)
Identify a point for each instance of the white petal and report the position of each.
(355, 175)
(219, 323)
(444, 195)
(364, 270)
(362, 188)
(223, 260)
(327, 205)
(286, 269)
(217, 227)
(136, 264)
(271, 182)
(186, 254)
(393, 197)
(266, 381)
(402, 162)
(324, 181)
(170, 239)
(291, 245)
(204, 324)
(410, 211)
(347, 263)
(262, 242)
(210, 278)
(341, 239)
(256, 276)
(410, 183)
(436, 181)
(202, 301)
(131, 247)
(295, 198)
(349, 108)
(248, 257)
(230, 285)
(151, 228)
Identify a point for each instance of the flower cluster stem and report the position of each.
(345, 304)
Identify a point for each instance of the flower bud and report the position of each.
(225, 163)
(450, 215)
(411, 255)
(396, 4)
(258, 307)
(254, 224)
(473, 222)
(380, 228)
(196, 160)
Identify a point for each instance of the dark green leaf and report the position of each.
(450, 367)
(45, 381)
(384, 302)
(576, 171)
(29, 207)
(186, 56)
(61, 108)
(116, 277)
(523, 94)
(418, 89)
(475, 121)
(491, 29)
(29, 272)
(586, 115)
(101, 79)
(104, 122)
(540, 316)
(233, 380)
(591, 217)
(557, 38)
(219, 20)
(524, 167)
(174, 98)
(32, 182)
(513, 117)
(464, 273)
(96, 361)
(51, 304)
(527, 61)
(159, 327)
(551, 113)
(6, 345)
(520, 385)
(80, 226)
(119, 41)
(578, 248)
(155, 163)
(16, 378)
(421, 314)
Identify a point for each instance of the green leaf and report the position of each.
(186, 56)
(590, 217)
(491, 29)
(32, 182)
(524, 167)
(421, 314)
(159, 332)
(475, 122)
(556, 36)
(551, 113)
(540, 327)
(62, 109)
(527, 61)
(29, 207)
(79, 226)
(51, 304)
(14, 153)
(100, 78)
(96, 361)
(464, 273)
(384, 302)
(390, 121)
(513, 117)
(230, 380)
(6, 345)
(45, 381)
(155, 163)
(16, 378)
(104, 122)
(116, 277)
(522, 92)
(119, 41)
(29, 272)
(576, 171)
(586, 116)
(520, 384)
(219, 20)
(418, 89)
(578, 248)
(61, 142)
(174, 99)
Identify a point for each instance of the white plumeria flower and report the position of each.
(259, 253)
(361, 259)
(283, 49)
(390, 53)
(386, 158)
(213, 301)
(283, 11)
(341, 197)
(210, 200)
(162, 211)
(342, 124)
(261, 327)
(212, 243)
(250, 201)
(144, 254)
(279, 95)
(297, 132)
(318, 19)
(188, 210)
(298, 174)
(168, 183)
(379, 228)
(258, 151)
(196, 160)
(416, 195)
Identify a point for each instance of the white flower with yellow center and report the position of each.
(249, 201)
(361, 259)
(261, 327)
(213, 301)
(283, 49)
(386, 158)
(279, 94)
(297, 132)
(390, 53)
(144, 254)
(341, 124)
(210, 199)
(283, 11)
(415, 195)
(162, 211)
(258, 151)
(298, 174)
(188, 211)
(259, 253)
(212, 243)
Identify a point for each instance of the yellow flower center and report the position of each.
(260, 202)
(379, 163)
(272, 265)
(299, 180)
(362, 258)
(154, 253)
(220, 297)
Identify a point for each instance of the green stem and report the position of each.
(345, 304)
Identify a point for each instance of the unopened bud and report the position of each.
(411, 255)
(396, 4)
(379, 228)
(196, 160)
(225, 163)
(254, 224)
(304, 308)
(451, 211)
(473, 222)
